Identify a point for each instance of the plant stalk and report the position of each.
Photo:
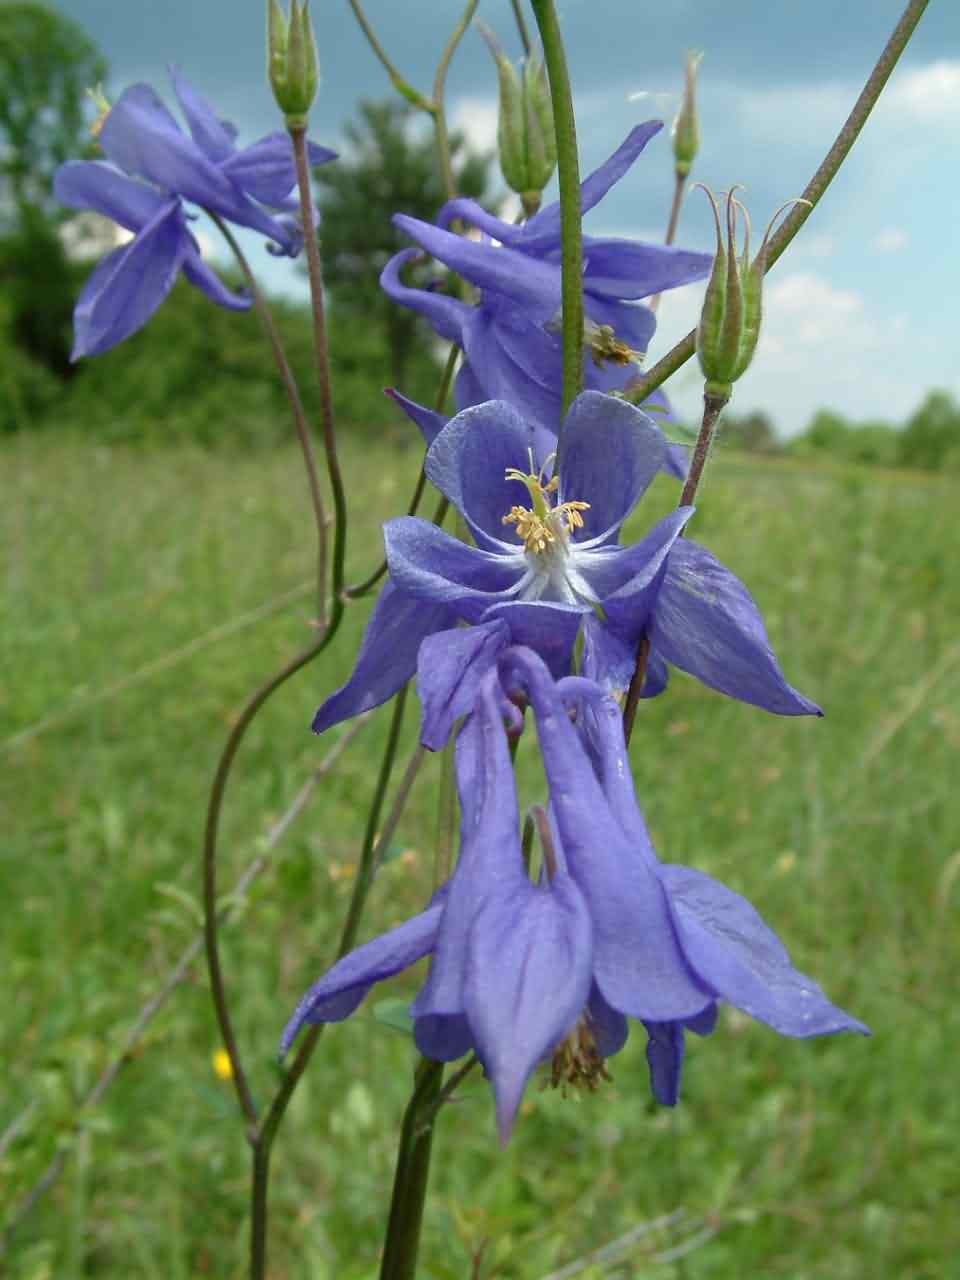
(568, 172)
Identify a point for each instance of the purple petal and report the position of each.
(468, 462)
(130, 284)
(447, 315)
(211, 134)
(429, 421)
(533, 284)
(609, 1026)
(341, 989)
(706, 623)
(509, 357)
(543, 230)
(638, 964)
(431, 566)
(141, 137)
(550, 629)
(607, 657)
(443, 1037)
(266, 170)
(490, 852)
(629, 582)
(463, 209)
(88, 184)
(199, 274)
(387, 657)
(450, 667)
(665, 1049)
(635, 269)
(527, 981)
(609, 455)
(743, 961)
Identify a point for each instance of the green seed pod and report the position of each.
(525, 132)
(292, 60)
(686, 127)
(541, 135)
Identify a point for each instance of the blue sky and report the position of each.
(861, 313)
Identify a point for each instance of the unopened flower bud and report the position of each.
(686, 127)
(733, 304)
(292, 60)
(525, 132)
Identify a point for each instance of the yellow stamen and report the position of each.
(577, 1063)
(605, 347)
(543, 525)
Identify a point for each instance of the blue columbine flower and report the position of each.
(153, 167)
(526, 972)
(510, 338)
(548, 561)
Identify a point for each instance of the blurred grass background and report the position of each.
(833, 1158)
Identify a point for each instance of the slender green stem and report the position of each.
(521, 27)
(410, 1179)
(402, 86)
(296, 408)
(439, 89)
(679, 186)
(211, 830)
(814, 190)
(298, 136)
(568, 172)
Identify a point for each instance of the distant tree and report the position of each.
(931, 438)
(388, 168)
(752, 432)
(46, 65)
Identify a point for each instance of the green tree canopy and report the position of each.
(46, 65)
(388, 167)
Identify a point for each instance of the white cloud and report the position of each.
(477, 118)
(930, 93)
(890, 240)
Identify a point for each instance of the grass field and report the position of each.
(834, 1159)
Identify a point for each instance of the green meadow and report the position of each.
(146, 591)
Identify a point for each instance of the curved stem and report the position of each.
(439, 88)
(322, 356)
(814, 190)
(568, 172)
(211, 830)
(264, 1136)
(296, 406)
(403, 87)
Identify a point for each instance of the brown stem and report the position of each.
(679, 185)
(296, 408)
(712, 408)
(210, 915)
(298, 136)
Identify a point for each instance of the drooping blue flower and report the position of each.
(524, 972)
(548, 562)
(153, 168)
(510, 337)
